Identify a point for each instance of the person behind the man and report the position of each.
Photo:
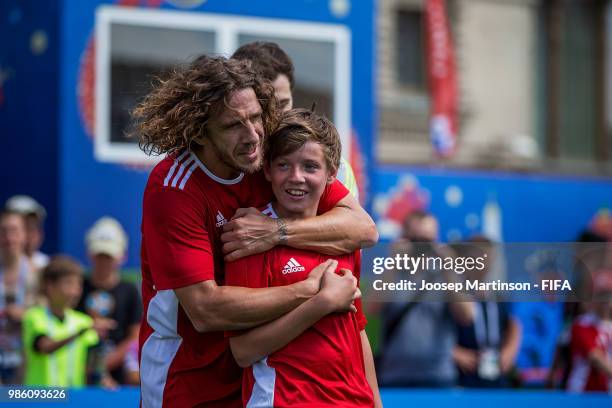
(210, 117)
(57, 338)
(34, 214)
(271, 62)
(329, 355)
(106, 295)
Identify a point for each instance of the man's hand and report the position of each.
(339, 291)
(249, 232)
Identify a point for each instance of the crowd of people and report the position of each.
(250, 264)
(474, 342)
(58, 326)
(73, 331)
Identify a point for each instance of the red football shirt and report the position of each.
(589, 333)
(184, 209)
(324, 365)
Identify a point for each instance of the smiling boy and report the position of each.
(307, 357)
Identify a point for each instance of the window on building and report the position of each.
(577, 131)
(410, 49)
(133, 45)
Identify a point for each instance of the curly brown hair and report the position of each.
(178, 108)
(299, 126)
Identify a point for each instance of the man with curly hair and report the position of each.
(210, 119)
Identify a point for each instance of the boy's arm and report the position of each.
(343, 229)
(337, 295)
(370, 370)
(45, 345)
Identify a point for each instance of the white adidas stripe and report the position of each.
(191, 169)
(180, 172)
(173, 168)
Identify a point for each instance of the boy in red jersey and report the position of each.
(308, 357)
(591, 348)
(210, 118)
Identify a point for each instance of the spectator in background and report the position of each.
(419, 336)
(486, 350)
(106, 295)
(591, 348)
(272, 63)
(35, 215)
(590, 260)
(17, 292)
(57, 338)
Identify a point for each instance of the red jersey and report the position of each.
(323, 367)
(184, 209)
(589, 333)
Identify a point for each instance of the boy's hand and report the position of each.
(313, 281)
(339, 291)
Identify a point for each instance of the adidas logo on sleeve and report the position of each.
(221, 221)
(293, 266)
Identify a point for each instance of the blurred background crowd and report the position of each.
(43, 296)
(500, 135)
(460, 342)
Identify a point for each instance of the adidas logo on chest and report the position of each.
(292, 266)
(221, 221)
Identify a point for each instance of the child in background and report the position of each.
(56, 337)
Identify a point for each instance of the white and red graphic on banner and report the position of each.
(442, 79)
